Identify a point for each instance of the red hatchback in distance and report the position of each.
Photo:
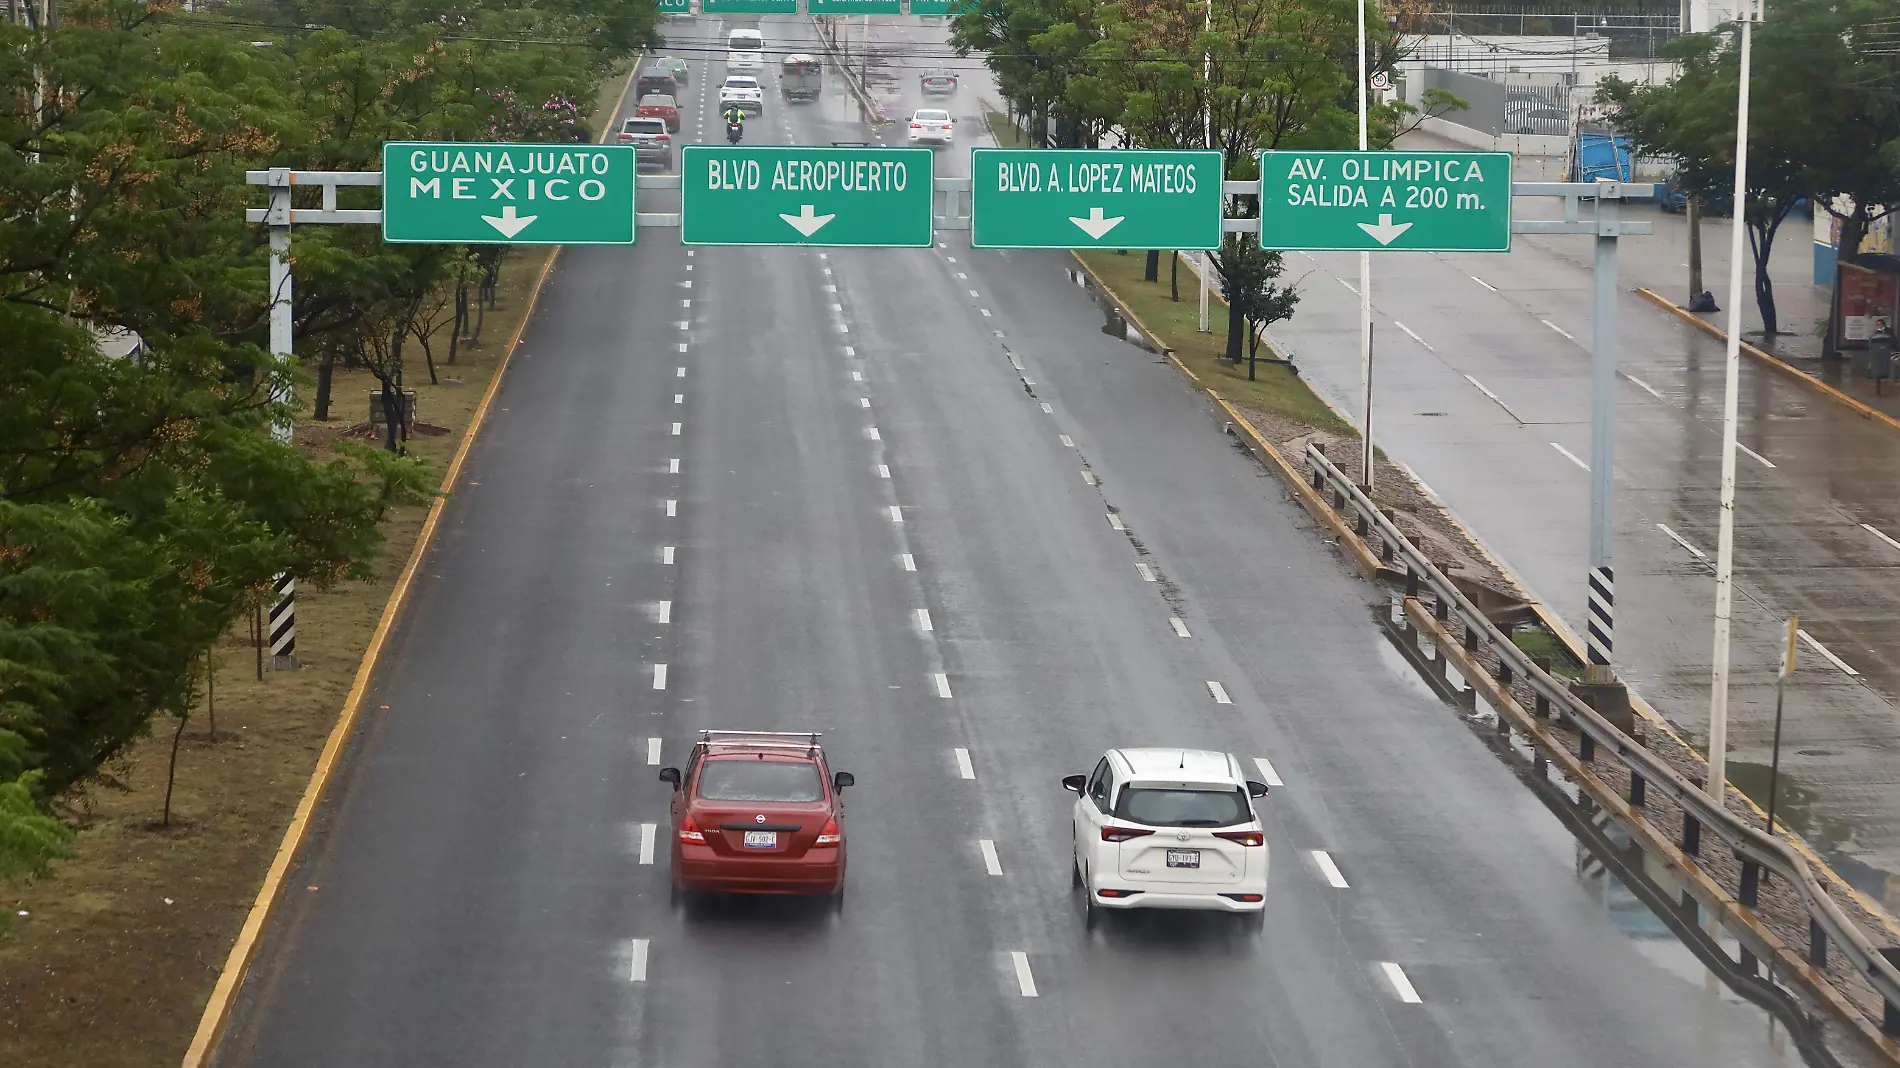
(758, 812)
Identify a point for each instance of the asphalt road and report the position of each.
(857, 446)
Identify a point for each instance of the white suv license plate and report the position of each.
(1184, 858)
(769, 840)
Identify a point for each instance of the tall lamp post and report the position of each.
(1365, 278)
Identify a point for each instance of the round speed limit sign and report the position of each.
(1380, 80)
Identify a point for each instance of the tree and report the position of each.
(1247, 274)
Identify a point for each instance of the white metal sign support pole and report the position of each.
(283, 608)
(1365, 281)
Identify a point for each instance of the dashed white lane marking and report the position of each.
(666, 555)
(1089, 477)
(1645, 387)
(1571, 456)
(1115, 521)
(875, 436)
(961, 277)
(837, 307)
(974, 294)
(688, 284)
(1024, 981)
(1349, 285)
(990, 863)
(1180, 626)
(1334, 878)
(883, 471)
(1219, 692)
(666, 611)
(1875, 531)
(844, 328)
(682, 349)
(689, 251)
(687, 303)
(864, 402)
(910, 562)
(1826, 652)
(923, 620)
(857, 376)
(673, 466)
(1484, 283)
(679, 398)
(637, 966)
(827, 271)
(679, 372)
(1147, 573)
(1409, 332)
(965, 769)
(1682, 541)
(1015, 361)
(985, 311)
(942, 682)
(823, 256)
(1267, 774)
(1400, 984)
(1565, 333)
(646, 842)
(676, 428)
(1764, 460)
(830, 288)
(672, 509)
(849, 351)
(684, 325)
(653, 752)
(897, 514)
(1047, 409)
(1066, 441)
(659, 676)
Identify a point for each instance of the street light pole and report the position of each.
(1365, 280)
(1207, 137)
(1725, 541)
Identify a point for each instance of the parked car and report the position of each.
(937, 81)
(657, 106)
(652, 144)
(1673, 199)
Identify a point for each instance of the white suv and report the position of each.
(1169, 829)
(743, 90)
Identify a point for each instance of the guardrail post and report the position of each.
(1817, 943)
(1586, 747)
(1441, 607)
(1751, 883)
(1411, 583)
(1636, 789)
(1890, 1016)
(1542, 709)
(1471, 639)
(1385, 551)
(1691, 834)
(1539, 764)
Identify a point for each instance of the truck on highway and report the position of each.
(800, 77)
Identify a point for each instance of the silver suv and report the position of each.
(652, 144)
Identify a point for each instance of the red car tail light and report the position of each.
(1122, 834)
(1116, 893)
(946, 126)
(689, 831)
(916, 125)
(830, 836)
(1244, 897)
(663, 137)
(1246, 838)
(626, 137)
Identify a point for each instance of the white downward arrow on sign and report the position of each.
(805, 222)
(1095, 226)
(1385, 231)
(509, 224)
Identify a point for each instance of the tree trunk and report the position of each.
(1174, 276)
(171, 772)
(461, 318)
(1236, 327)
(1761, 239)
(1253, 349)
(326, 367)
(1151, 271)
(1692, 212)
(211, 694)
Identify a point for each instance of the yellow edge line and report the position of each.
(1860, 408)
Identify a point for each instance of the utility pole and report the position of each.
(1207, 136)
(1365, 279)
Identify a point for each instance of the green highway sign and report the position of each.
(1386, 201)
(855, 7)
(1095, 198)
(796, 195)
(749, 7)
(507, 194)
(675, 7)
(935, 7)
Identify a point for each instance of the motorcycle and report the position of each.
(733, 132)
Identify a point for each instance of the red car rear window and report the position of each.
(752, 779)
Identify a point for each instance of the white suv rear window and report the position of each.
(933, 116)
(1159, 806)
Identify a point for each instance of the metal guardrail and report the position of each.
(1756, 849)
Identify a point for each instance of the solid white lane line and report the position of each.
(1267, 774)
(679, 398)
(1024, 980)
(1046, 409)
(864, 402)
(1147, 573)
(910, 562)
(637, 969)
(923, 620)
(1400, 984)
(1560, 330)
(1484, 283)
(666, 554)
(965, 769)
(659, 676)
(1088, 477)
(883, 471)
(1495, 399)
(666, 611)
(1571, 456)
(646, 842)
(1180, 627)
(676, 428)
(673, 466)
(1824, 651)
(897, 514)
(990, 862)
(942, 682)
(1066, 440)
(1764, 460)
(672, 508)
(653, 752)
(1871, 529)
(1644, 386)
(1329, 869)
(1219, 692)
(1409, 332)
(1115, 521)
(1682, 541)
(1349, 285)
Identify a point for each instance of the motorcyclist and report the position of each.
(734, 116)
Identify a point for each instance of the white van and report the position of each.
(745, 41)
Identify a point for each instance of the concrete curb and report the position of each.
(1863, 410)
(217, 1010)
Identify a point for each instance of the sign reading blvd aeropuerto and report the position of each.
(508, 194)
(1386, 201)
(1094, 198)
(800, 195)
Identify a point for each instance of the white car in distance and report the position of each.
(743, 90)
(1169, 829)
(930, 125)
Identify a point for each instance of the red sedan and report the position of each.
(758, 813)
(660, 106)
